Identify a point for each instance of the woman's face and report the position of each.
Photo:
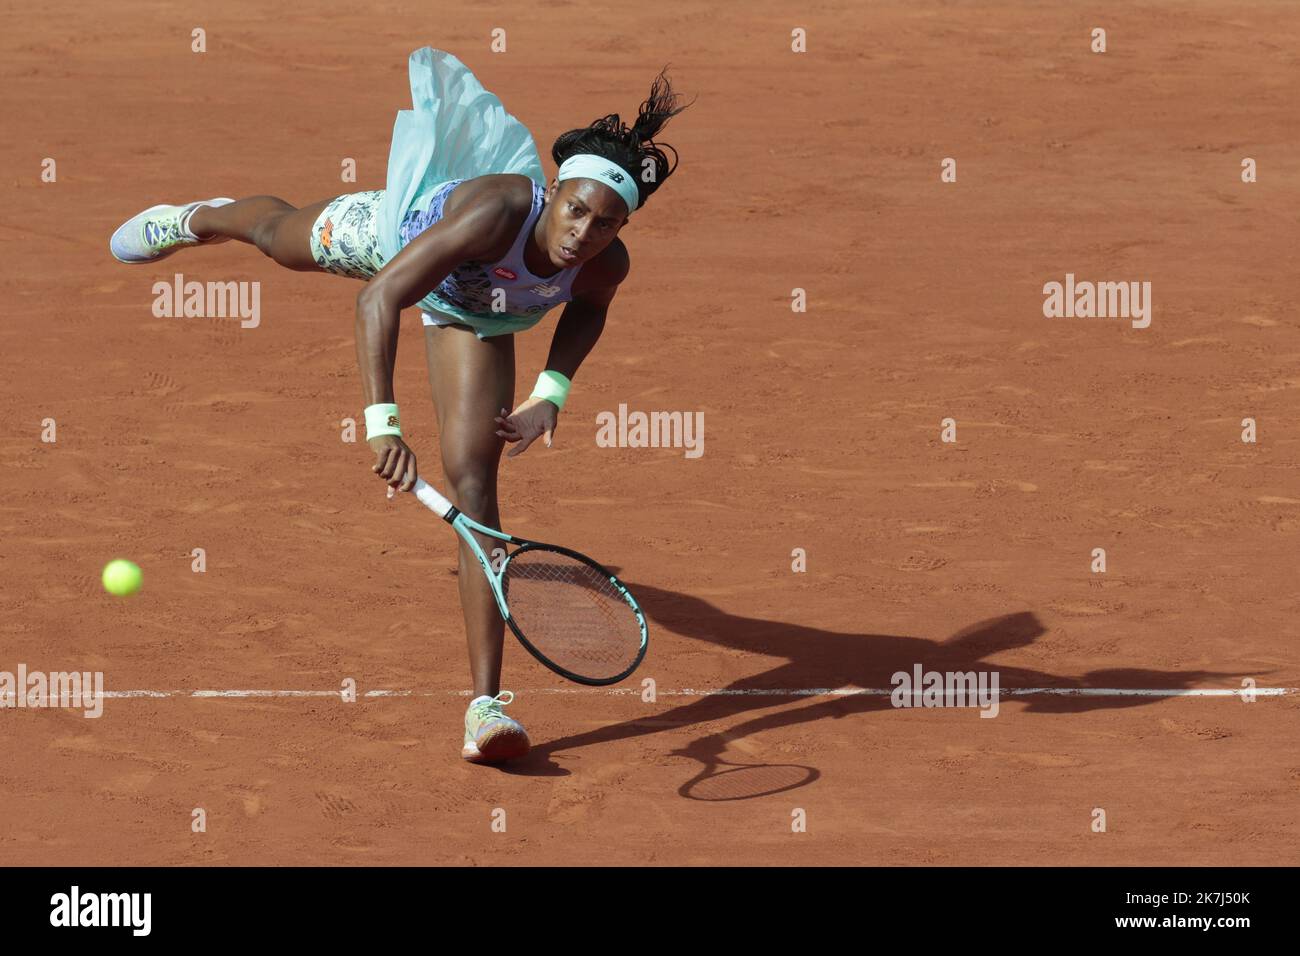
(584, 217)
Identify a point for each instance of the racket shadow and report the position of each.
(746, 781)
(817, 657)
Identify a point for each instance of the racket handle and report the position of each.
(431, 499)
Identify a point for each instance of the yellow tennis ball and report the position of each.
(121, 577)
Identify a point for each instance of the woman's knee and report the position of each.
(472, 476)
(475, 493)
(470, 459)
(290, 243)
(263, 233)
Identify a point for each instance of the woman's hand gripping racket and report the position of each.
(569, 612)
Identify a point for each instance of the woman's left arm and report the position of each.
(576, 334)
(578, 331)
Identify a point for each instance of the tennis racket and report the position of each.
(569, 612)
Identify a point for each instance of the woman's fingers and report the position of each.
(521, 448)
(398, 462)
(509, 431)
(393, 469)
(395, 464)
(410, 474)
(509, 428)
(527, 427)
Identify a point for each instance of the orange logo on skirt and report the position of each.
(326, 232)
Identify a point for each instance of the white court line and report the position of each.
(719, 692)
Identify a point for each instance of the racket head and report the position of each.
(572, 614)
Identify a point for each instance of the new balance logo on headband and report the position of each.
(614, 174)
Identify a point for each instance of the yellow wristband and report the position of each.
(553, 387)
(382, 419)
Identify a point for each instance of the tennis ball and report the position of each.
(121, 577)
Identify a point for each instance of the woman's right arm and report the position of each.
(475, 231)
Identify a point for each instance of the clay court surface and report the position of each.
(817, 171)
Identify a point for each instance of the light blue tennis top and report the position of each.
(472, 288)
(456, 130)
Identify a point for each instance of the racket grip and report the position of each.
(431, 499)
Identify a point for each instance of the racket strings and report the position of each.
(572, 613)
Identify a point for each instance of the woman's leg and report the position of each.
(472, 380)
(278, 229)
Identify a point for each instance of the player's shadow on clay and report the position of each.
(814, 657)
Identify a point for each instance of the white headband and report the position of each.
(590, 166)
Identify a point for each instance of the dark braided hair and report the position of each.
(630, 146)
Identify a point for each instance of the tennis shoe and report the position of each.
(491, 736)
(159, 231)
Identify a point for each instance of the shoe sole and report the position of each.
(506, 744)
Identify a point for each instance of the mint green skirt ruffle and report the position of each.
(455, 130)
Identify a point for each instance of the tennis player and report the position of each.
(469, 231)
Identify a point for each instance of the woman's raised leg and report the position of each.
(280, 230)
